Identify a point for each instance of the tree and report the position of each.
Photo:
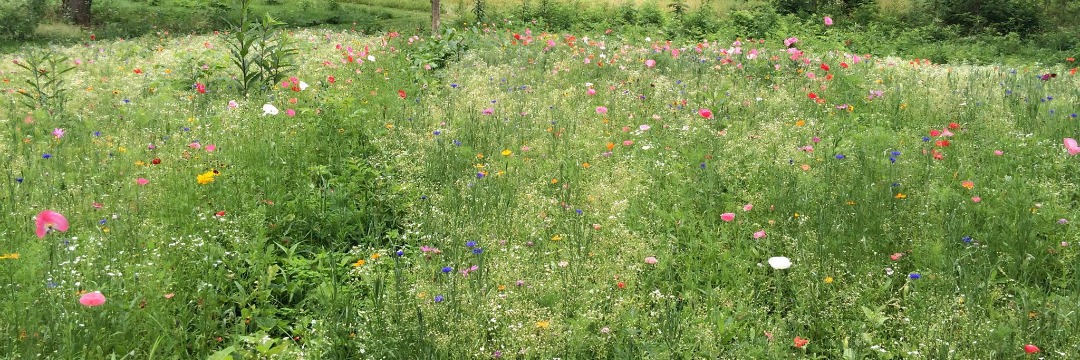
(435, 10)
(79, 11)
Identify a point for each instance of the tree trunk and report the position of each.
(435, 10)
(79, 11)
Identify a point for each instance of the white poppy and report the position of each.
(779, 262)
(302, 85)
(270, 109)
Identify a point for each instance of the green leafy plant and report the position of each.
(260, 51)
(45, 71)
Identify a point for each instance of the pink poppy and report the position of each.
(49, 220)
(705, 113)
(760, 234)
(650, 63)
(651, 260)
(727, 217)
(92, 299)
(1070, 145)
(601, 110)
(828, 21)
(142, 181)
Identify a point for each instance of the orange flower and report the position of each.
(800, 342)
(610, 146)
(967, 184)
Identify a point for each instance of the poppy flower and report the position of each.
(705, 113)
(49, 220)
(401, 94)
(828, 21)
(727, 217)
(1070, 145)
(800, 342)
(1031, 349)
(92, 299)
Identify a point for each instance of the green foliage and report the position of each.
(261, 52)
(19, 18)
(436, 52)
(995, 16)
(756, 22)
(45, 80)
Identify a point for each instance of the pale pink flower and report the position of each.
(748, 207)
(49, 220)
(651, 260)
(58, 133)
(759, 234)
(790, 41)
(976, 199)
(210, 148)
(142, 181)
(601, 110)
(999, 152)
(1070, 145)
(233, 104)
(650, 63)
(488, 111)
(591, 91)
(828, 21)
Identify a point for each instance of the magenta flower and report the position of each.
(210, 148)
(759, 234)
(49, 220)
(790, 41)
(591, 91)
(92, 299)
(748, 207)
(650, 63)
(601, 110)
(290, 112)
(828, 21)
(727, 217)
(705, 113)
(1070, 145)
(488, 111)
(142, 181)
(58, 133)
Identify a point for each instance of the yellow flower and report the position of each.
(800, 123)
(506, 152)
(206, 177)
(828, 280)
(901, 196)
(375, 256)
(585, 165)
(557, 237)
(359, 263)
(554, 181)
(543, 324)
(12, 256)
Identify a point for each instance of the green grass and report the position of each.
(294, 246)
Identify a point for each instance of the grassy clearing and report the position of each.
(547, 195)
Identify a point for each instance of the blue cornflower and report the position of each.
(894, 153)
(702, 165)
(454, 85)
(436, 132)
(477, 251)
(97, 133)
(840, 156)
(19, 180)
(1073, 115)
(479, 175)
(914, 276)
(470, 244)
(925, 139)
(46, 155)
(966, 239)
(892, 159)
(439, 298)
(101, 222)
(447, 270)
(457, 143)
(579, 212)
(400, 253)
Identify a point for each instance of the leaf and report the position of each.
(223, 354)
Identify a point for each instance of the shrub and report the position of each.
(19, 18)
(756, 22)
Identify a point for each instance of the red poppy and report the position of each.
(844, 65)
(800, 342)
(825, 66)
(812, 96)
(954, 126)
(935, 132)
(155, 161)
(220, 213)
(401, 94)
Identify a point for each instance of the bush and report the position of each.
(756, 22)
(995, 16)
(19, 18)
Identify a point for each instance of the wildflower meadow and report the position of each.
(504, 192)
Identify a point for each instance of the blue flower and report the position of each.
(478, 251)
(895, 153)
(457, 143)
(439, 298)
(479, 175)
(400, 253)
(925, 139)
(436, 132)
(579, 212)
(454, 85)
(46, 155)
(19, 180)
(914, 276)
(966, 239)
(101, 222)
(470, 244)
(97, 133)
(840, 156)
(447, 270)
(702, 165)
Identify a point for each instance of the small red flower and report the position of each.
(138, 71)
(812, 96)
(825, 66)
(954, 126)
(621, 285)
(155, 161)
(220, 213)
(330, 79)
(401, 94)
(1031, 349)
(935, 132)
(844, 65)
(800, 342)
(705, 113)
(942, 143)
